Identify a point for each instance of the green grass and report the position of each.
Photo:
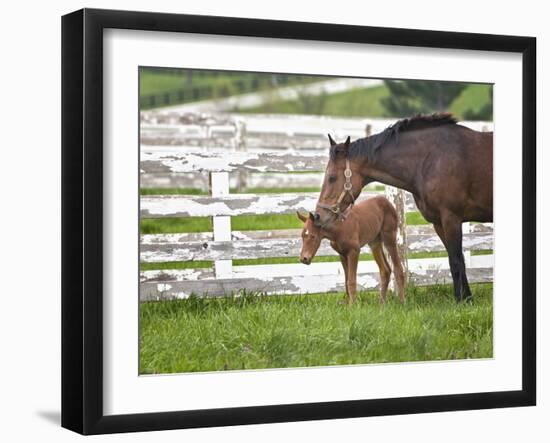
(280, 260)
(161, 81)
(255, 332)
(172, 191)
(415, 218)
(170, 265)
(204, 224)
(171, 225)
(155, 83)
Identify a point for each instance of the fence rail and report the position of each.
(157, 206)
(271, 285)
(203, 164)
(168, 249)
(167, 137)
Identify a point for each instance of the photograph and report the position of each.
(291, 221)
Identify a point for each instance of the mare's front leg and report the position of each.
(353, 259)
(452, 228)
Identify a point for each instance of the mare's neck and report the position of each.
(394, 165)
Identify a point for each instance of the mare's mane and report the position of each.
(369, 145)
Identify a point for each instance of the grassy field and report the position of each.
(254, 331)
(211, 84)
(358, 102)
(366, 102)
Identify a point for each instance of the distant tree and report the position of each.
(483, 113)
(310, 103)
(408, 97)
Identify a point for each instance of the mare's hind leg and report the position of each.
(452, 226)
(383, 268)
(389, 240)
(441, 233)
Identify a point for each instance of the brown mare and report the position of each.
(373, 222)
(447, 167)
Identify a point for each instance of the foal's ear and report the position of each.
(314, 216)
(332, 142)
(301, 216)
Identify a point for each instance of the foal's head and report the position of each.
(339, 188)
(311, 237)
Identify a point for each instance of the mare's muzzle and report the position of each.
(305, 260)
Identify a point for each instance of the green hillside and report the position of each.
(367, 103)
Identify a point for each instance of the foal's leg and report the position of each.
(344, 262)
(353, 259)
(390, 242)
(452, 226)
(383, 268)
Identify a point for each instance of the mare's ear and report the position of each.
(346, 143)
(332, 142)
(301, 216)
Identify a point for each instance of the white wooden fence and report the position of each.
(256, 133)
(177, 146)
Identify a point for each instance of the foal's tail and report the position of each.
(391, 219)
(389, 239)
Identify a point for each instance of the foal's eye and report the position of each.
(332, 179)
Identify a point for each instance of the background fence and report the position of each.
(226, 155)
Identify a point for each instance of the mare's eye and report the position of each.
(332, 179)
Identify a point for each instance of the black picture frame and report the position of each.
(82, 218)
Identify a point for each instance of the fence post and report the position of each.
(240, 145)
(398, 199)
(466, 229)
(368, 130)
(219, 186)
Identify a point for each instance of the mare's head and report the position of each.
(311, 237)
(341, 185)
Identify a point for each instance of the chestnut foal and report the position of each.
(373, 222)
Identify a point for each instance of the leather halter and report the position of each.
(335, 208)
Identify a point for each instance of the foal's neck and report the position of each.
(331, 231)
